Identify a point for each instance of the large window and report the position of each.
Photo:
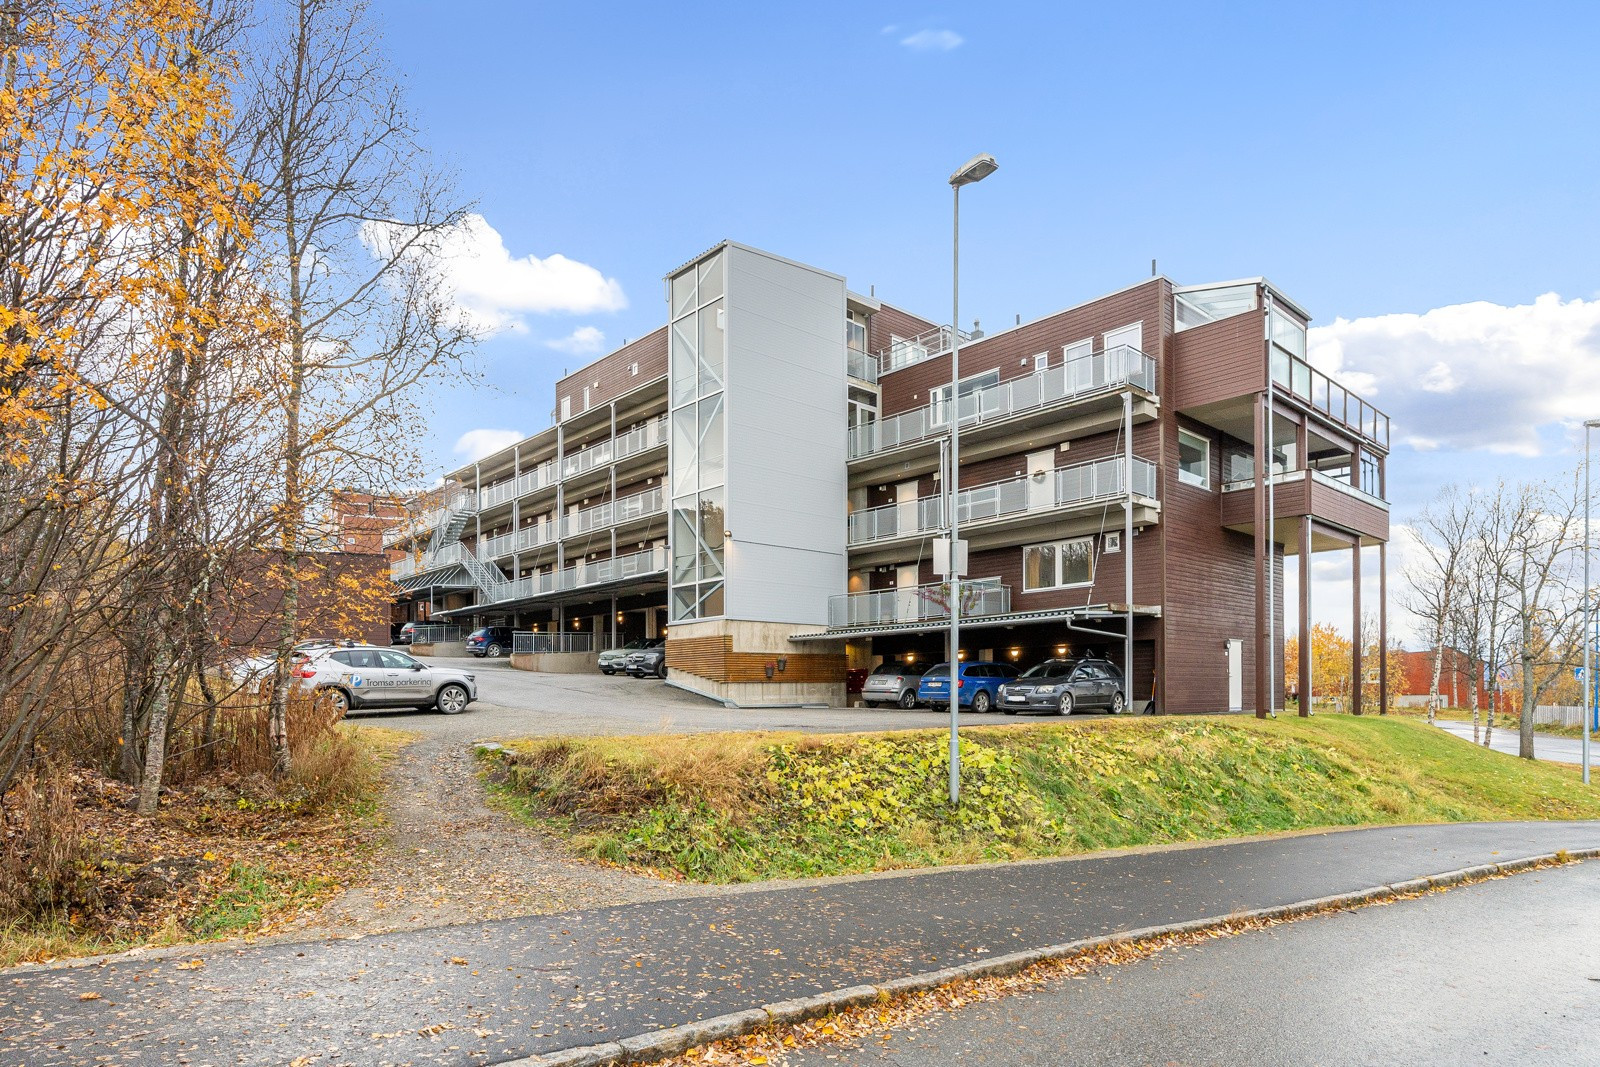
(939, 398)
(1194, 459)
(1058, 564)
(697, 360)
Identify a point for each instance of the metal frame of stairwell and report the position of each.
(760, 482)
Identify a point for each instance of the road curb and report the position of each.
(659, 1044)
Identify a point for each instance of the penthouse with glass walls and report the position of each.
(760, 482)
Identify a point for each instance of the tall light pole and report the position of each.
(974, 170)
(1588, 610)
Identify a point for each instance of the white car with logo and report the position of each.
(366, 676)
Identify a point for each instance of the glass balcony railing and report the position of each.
(862, 365)
(1303, 381)
(424, 562)
(1082, 377)
(918, 603)
(1065, 487)
(1242, 477)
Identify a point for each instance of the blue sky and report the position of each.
(1379, 162)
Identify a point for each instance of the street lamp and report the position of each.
(973, 170)
(1588, 611)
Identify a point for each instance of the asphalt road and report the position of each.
(513, 703)
(1506, 971)
(1545, 747)
(488, 992)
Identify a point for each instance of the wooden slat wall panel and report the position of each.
(713, 658)
(613, 372)
(1218, 361)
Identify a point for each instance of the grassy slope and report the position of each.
(741, 807)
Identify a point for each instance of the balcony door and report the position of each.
(905, 508)
(905, 595)
(1041, 480)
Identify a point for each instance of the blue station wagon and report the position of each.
(979, 685)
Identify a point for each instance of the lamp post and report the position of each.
(1588, 610)
(974, 170)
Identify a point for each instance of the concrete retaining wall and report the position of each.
(557, 662)
(443, 648)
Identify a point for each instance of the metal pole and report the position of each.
(1588, 613)
(952, 488)
(1127, 539)
(1272, 535)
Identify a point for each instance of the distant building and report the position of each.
(759, 481)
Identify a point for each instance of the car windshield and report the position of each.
(1050, 668)
(939, 669)
(892, 668)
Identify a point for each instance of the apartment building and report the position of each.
(760, 480)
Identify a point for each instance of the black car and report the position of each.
(491, 641)
(647, 663)
(1063, 686)
(405, 634)
(613, 660)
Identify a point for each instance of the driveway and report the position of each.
(1545, 747)
(513, 703)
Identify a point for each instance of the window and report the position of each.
(939, 399)
(1041, 363)
(1058, 564)
(855, 335)
(396, 661)
(1132, 336)
(1111, 542)
(633, 368)
(1194, 459)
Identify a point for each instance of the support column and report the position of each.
(1303, 668)
(613, 614)
(1262, 698)
(1383, 629)
(1355, 628)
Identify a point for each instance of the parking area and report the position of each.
(513, 703)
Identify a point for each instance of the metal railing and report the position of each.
(433, 517)
(529, 537)
(1065, 487)
(633, 564)
(912, 350)
(918, 603)
(623, 509)
(1085, 376)
(1247, 481)
(424, 562)
(639, 439)
(432, 633)
(863, 365)
(1323, 394)
(537, 641)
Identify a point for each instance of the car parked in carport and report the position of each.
(892, 683)
(1063, 686)
(978, 685)
(613, 660)
(647, 663)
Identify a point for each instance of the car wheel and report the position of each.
(1117, 704)
(1009, 711)
(908, 700)
(607, 671)
(981, 703)
(452, 699)
(339, 700)
(1064, 706)
(661, 671)
(493, 652)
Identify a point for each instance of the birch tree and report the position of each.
(1444, 532)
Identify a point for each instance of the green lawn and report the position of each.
(745, 807)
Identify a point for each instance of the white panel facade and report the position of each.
(786, 439)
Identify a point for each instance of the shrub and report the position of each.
(43, 852)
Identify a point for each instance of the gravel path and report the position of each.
(451, 858)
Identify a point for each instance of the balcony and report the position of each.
(862, 366)
(909, 351)
(1083, 484)
(523, 540)
(652, 434)
(526, 483)
(1310, 386)
(1078, 379)
(424, 562)
(1300, 493)
(917, 604)
(615, 512)
(633, 565)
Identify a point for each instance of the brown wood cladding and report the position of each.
(714, 659)
(1303, 496)
(889, 322)
(1008, 351)
(614, 373)
(1218, 361)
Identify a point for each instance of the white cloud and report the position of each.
(933, 41)
(496, 291)
(475, 444)
(584, 341)
(1508, 371)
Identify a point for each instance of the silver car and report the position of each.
(370, 677)
(891, 683)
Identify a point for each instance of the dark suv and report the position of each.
(491, 641)
(1063, 686)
